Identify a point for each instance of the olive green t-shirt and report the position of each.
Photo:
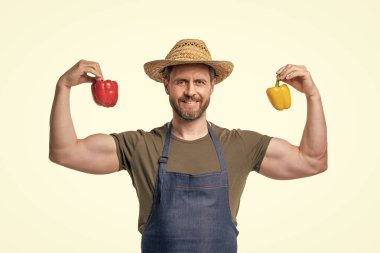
(139, 152)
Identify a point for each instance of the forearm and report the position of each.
(62, 132)
(314, 139)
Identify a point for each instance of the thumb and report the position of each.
(86, 79)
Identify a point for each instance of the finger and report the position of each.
(282, 71)
(298, 71)
(91, 70)
(99, 70)
(86, 79)
(288, 71)
(96, 66)
(91, 67)
(294, 73)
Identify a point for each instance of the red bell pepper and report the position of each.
(105, 92)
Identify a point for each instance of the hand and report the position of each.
(298, 77)
(78, 74)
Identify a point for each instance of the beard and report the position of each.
(189, 115)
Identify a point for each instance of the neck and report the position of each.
(189, 129)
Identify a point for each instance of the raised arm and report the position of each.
(95, 154)
(286, 161)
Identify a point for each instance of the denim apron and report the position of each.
(190, 213)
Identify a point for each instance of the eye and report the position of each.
(200, 82)
(181, 82)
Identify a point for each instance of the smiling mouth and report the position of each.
(189, 100)
(190, 103)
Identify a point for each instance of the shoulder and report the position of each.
(155, 134)
(245, 136)
(244, 147)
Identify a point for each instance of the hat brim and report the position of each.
(154, 68)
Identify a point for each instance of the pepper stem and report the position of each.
(277, 82)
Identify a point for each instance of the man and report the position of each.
(189, 174)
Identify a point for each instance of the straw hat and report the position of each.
(188, 51)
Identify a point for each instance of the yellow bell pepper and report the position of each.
(279, 96)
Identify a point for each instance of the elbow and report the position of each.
(320, 164)
(322, 167)
(57, 157)
(53, 157)
(60, 154)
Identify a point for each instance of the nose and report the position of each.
(190, 89)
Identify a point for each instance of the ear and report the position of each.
(166, 85)
(213, 84)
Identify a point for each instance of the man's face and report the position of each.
(189, 90)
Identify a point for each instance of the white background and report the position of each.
(48, 208)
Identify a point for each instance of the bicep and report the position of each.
(95, 154)
(285, 161)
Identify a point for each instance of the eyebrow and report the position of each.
(181, 79)
(187, 80)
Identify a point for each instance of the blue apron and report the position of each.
(190, 213)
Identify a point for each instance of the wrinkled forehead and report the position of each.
(189, 67)
(185, 71)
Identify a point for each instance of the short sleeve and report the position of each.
(256, 146)
(125, 146)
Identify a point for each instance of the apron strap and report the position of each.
(165, 151)
(218, 148)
